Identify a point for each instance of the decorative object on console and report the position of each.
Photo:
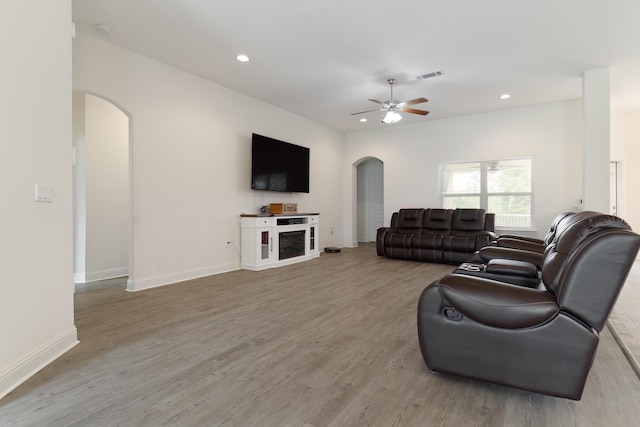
(283, 208)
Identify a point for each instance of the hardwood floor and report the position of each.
(625, 318)
(329, 342)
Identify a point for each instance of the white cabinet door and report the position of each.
(258, 243)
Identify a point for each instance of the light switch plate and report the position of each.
(43, 194)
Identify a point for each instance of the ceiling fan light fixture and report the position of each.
(391, 117)
(392, 106)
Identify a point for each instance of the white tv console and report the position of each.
(276, 240)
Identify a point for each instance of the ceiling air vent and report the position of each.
(429, 75)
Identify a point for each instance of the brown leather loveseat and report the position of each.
(436, 235)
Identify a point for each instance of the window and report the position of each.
(503, 187)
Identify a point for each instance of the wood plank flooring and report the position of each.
(329, 342)
(625, 318)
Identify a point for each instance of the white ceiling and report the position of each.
(322, 60)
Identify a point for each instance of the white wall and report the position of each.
(103, 164)
(633, 172)
(36, 288)
(79, 187)
(191, 142)
(551, 133)
(597, 134)
(625, 148)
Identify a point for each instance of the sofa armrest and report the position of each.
(380, 233)
(527, 245)
(484, 238)
(523, 238)
(512, 267)
(490, 222)
(488, 253)
(497, 304)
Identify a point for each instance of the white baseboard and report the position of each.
(95, 276)
(27, 366)
(135, 285)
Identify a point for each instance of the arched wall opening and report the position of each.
(369, 198)
(102, 189)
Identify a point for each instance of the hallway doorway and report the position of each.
(370, 199)
(101, 189)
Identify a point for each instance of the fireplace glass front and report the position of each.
(291, 244)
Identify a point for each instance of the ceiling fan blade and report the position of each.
(378, 102)
(415, 111)
(368, 111)
(414, 101)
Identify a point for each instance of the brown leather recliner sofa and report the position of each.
(436, 235)
(537, 339)
(523, 249)
(531, 243)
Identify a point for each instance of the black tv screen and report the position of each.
(278, 165)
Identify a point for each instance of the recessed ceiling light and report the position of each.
(505, 96)
(242, 58)
(363, 120)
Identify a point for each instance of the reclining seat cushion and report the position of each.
(467, 221)
(466, 224)
(397, 241)
(436, 223)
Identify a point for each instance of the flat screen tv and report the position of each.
(278, 165)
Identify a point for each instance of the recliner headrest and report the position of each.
(438, 214)
(468, 219)
(471, 214)
(574, 234)
(410, 214)
(567, 240)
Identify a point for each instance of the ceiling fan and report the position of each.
(393, 106)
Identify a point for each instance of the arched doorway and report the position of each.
(370, 198)
(101, 184)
